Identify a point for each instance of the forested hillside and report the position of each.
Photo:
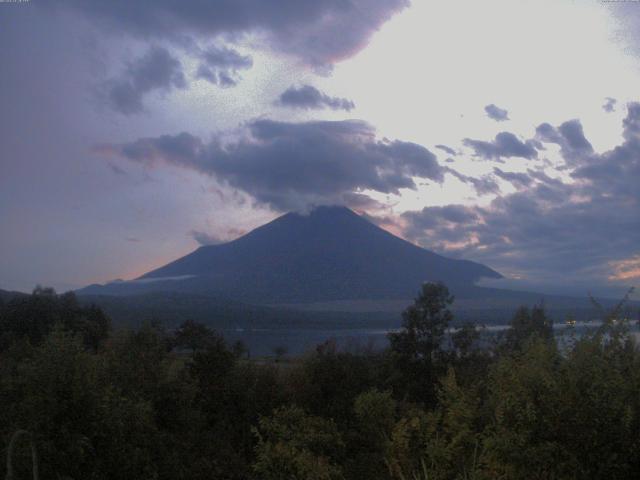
(82, 400)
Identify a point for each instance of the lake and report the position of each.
(262, 342)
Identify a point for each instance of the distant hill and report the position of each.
(6, 295)
(331, 254)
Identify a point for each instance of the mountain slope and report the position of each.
(6, 295)
(329, 254)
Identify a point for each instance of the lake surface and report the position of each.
(262, 342)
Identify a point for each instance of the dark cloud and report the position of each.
(176, 149)
(293, 165)
(159, 70)
(573, 134)
(116, 169)
(155, 70)
(631, 123)
(506, 144)
(319, 32)
(570, 137)
(483, 185)
(517, 179)
(496, 113)
(609, 104)
(447, 150)
(614, 174)
(220, 65)
(310, 98)
(437, 217)
(361, 202)
(542, 177)
(580, 231)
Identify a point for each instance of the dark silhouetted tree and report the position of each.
(280, 351)
(417, 348)
(526, 324)
(295, 445)
(193, 336)
(32, 318)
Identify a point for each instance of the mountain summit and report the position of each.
(329, 254)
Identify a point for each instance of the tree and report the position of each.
(33, 317)
(280, 351)
(453, 444)
(56, 393)
(526, 401)
(10, 452)
(89, 322)
(193, 336)
(464, 338)
(295, 446)
(239, 349)
(424, 323)
(369, 441)
(526, 324)
(417, 348)
(330, 380)
(136, 361)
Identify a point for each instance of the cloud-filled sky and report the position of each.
(505, 132)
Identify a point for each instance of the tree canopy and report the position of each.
(80, 401)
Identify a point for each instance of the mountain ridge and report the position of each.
(330, 253)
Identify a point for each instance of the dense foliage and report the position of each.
(81, 401)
